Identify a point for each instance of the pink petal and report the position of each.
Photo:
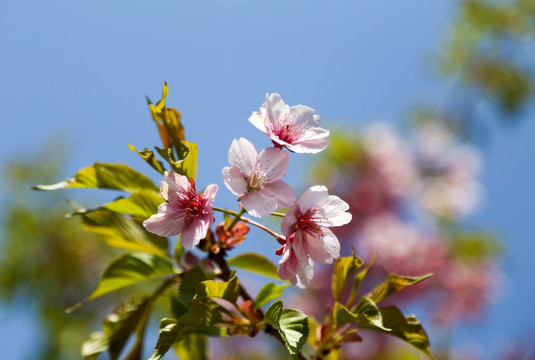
(165, 222)
(273, 164)
(173, 182)
(334, 212)
(322, 249)
(304, 116)
(282, 192)
(287, 264)
(209, 194)
(290, 220)
(243, 154)
(313, 141)
(259, 203)
(305, 273)
(275, 107)
(314, 196)
(234, 180)
(191, 235)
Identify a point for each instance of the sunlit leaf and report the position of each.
(122, 232)
(166, 338)
(408, 328)
(368, 313)
(186, 163)
(343, 268)
(192, 347)
(269, 292)
(358, 280)
(150, 158)
(105, 176)
(291, 324)
(393, 284)
(127, 318)
(141, 204)
(129, 269)
(95, 345)
(228, 290)
(254, 263)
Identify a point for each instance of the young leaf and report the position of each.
(95, 345)
(343, 268)
(149, 157)
(269, 292)
(105, 176)
(129, 269)
(141, 204)
(291, 324)
(293, 328)
(166, 338)
(192, 347)
(407, 329)
(358, 280)
(393, 284)
(122, 232)
(254, 263)
(130, 316)
(188, 286)
(229, 290)
(368, 313)
(186, 164)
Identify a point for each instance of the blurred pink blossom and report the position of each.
(296, 127)
(185, 212)
(256, 178)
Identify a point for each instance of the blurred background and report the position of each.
(431, 110)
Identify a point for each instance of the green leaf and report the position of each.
(202, 313)
(95, 345)
(393, 284)
(254, 263)
(192, 347)
(105, 176)
(166, 338)
(293, 327)
(358, 280)
(188, 284)
(129, 317)
(368, 313)
(186, 164)
(269, 292)
(407, 329)
(122, 232)
(149, 157)
(342, 315)
(229, 290)
(129, 269)
(291, 324)
(343, 268)
(273, 313)
(141, 204)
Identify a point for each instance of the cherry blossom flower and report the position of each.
(309, 221)
(256, 179)
(296, 127)
(185, 212)
(299, 270)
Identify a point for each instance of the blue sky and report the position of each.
(83, 69)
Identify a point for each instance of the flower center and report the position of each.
(307, 224)
(287, 130)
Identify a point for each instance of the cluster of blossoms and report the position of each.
(407, 202)
(256, 178)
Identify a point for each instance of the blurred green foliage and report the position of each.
(47, 263)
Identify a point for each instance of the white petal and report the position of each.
(304, 116)
(314, 196)
(243, 154)
(287, 264)
(334, 212)
(258, 119)
(305, 273)
(192, 234)
(272, 164)
(283, 192)
(313, 141)
(259, 203)
(235, 180)
(275, 107)
(164, 223)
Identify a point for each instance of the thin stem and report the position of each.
(238, 216)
